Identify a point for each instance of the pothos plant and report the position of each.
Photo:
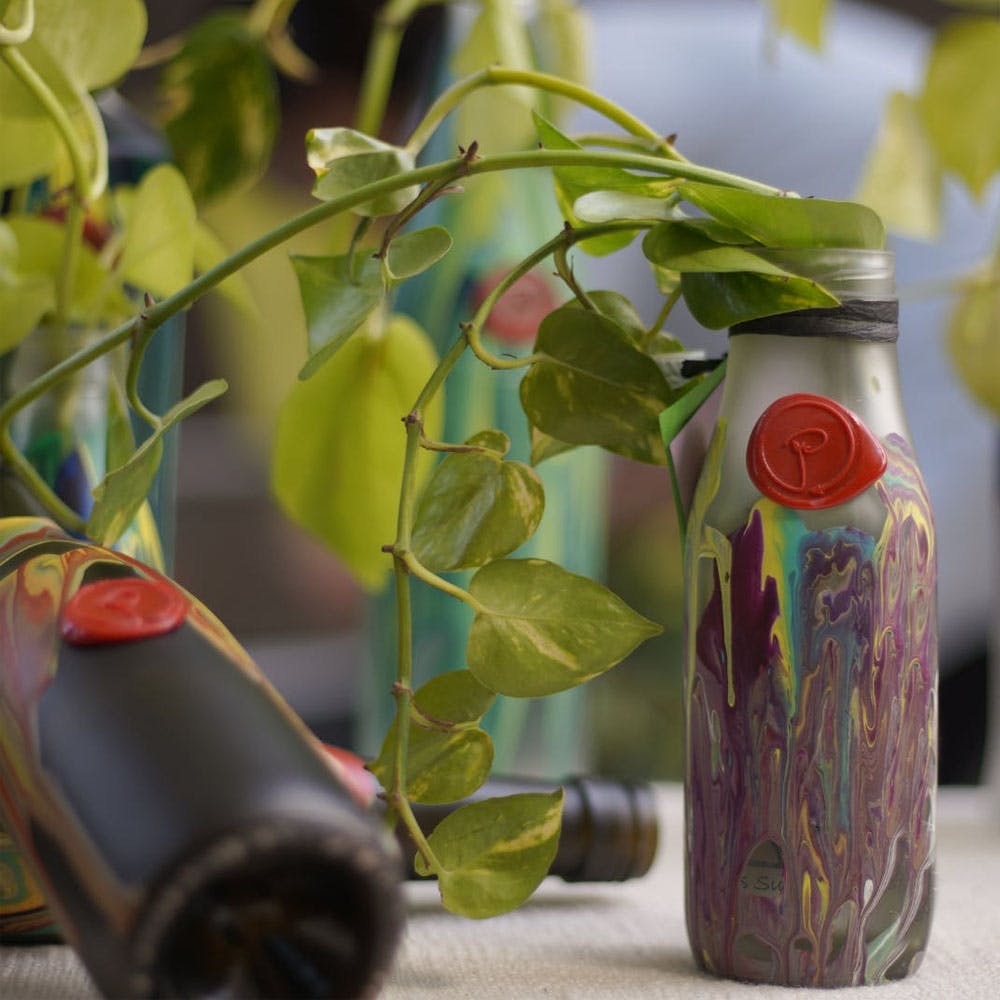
(597, 375)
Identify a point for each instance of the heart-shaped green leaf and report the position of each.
(475, 508)
(902, 178)
(683, 247)
(542, 629)
(789, 222)
(339, 443)
(441, 765)
(592, 385)
(118, 497)
(338, 295)
(158, 246)
(415, 252)
(960, 102)
(721, 300)
(545, 446)
(617, 308)
(454, 698)
(344, 160)
(495, 852)
(221, 98)
(447, 757)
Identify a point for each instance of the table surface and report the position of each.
(628, 940)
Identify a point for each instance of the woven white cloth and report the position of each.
(628, 940)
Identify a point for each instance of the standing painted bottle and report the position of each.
(811, 680)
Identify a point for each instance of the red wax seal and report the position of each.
(809, 452)
(360, 783)
(518, 313)
(122, 611)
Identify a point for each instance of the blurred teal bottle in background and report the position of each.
(496, 221)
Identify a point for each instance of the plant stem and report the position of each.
(455, 449)
(159, 52)
(421, 572)
(565, 239)
(205, 282)
(140, 340)
(675, 488)
(391, 23)
(20, 34)
(403, 694)
(565, 271)
(668, 304)
(611, 141)
(496, 76)
(268, 16)
(73, 238)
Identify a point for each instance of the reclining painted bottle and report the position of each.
(811, 677)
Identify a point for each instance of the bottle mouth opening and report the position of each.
(846, 272)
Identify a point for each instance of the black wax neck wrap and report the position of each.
(858, 319)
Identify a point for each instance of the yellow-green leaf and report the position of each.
(40, 245)
(974, 336)
(961, 99)
(94, 42)
(562, 46)
(31, 149)
(786, 221)
(338, 295)
(344, 160)
(454, 698)
(804, 19)
(414, 252)
(24, 298)
(495, 852)
(122, 492)
(541, 629)
(158, 245)
(719, 300)
(902, 178)
(441, 765)
(221, 98)
(497, 117)
(476, 507)
(592, 385)
(338, 455)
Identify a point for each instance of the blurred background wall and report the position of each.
(740, 100)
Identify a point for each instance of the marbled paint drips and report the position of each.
(811, 739)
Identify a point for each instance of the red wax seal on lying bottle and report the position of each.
(808, 452)
(122, 610)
